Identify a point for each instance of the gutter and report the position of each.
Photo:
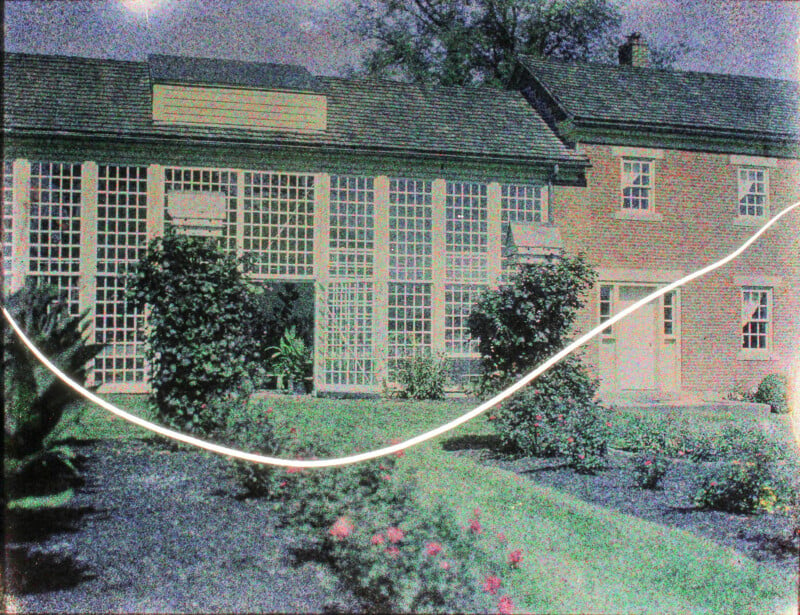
(577, 163)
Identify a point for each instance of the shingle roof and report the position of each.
(57, 94)
(666, 98)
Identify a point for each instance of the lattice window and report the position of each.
(637, 184)
(121, 242)
(8, 222)
(279, 223)
(409, 321)
(756, 318)
(352, 227)
(459, 301)
(223, 181)
(753, 192)
(349, 346)
(55, 227)
(410, 229)
(606, 305)
(670, 307)
(522, 203)
(466, 235)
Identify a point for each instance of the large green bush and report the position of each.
(200, 340)
(421, 376)
(772, 391)
(524, 322)
(36, 401)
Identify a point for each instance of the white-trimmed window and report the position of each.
(756, 319)
(669, 320)
(753, 192)
(8, 221)
(606, 305)
(637, 184)
(523, 203)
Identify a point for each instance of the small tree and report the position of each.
(199, 343)
(525, 321)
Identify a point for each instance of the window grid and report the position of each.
(121, 242)
(279, 223)
(55, 226)
(521, 203)
(606, 303)
(352, 227)
(756, 318)
(459, 301)
(670, 305)
(637, 183)
(185, 179)
(466, 232)
(350, 353)
(8, 221)
(753, 192)
(409, 321)
(410, 230)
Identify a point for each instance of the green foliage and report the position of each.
(522, 323)
(291, 360)
(772, 391)
(739, 486)
(37, 404)
(460, 42)
(649, 467)
(558, 415)
(200, 341)
(421, 377)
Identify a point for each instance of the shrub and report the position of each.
(35, 399)
(291, 359)
(772, 391)
(558, 416)
(739, 486)
(200, 345)
(649, 467)
(421, 377)
(522, 323)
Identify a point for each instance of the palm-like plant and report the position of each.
(35, 399)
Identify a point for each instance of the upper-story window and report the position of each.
(523, 203)
(637, 184)
(753, 192)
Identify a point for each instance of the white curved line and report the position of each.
(388, 450)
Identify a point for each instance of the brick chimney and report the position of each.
(634, 51)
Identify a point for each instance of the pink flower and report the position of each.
(292, 430)
(476, 512)
(581, 456)
(386, 477)
(433, 548)
(505, 606)
(270, 410)
(294, 470)
(492, 417)
(445, 565)
(648, 462)
(283, 483)
(395, 534)
(608, 424)
(392, 551)
(377, 539)
(491, 584)
(475, 526)
(341, 528)
(502, 537)
(514, 558)
(570, 439)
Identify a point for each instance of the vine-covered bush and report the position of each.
(421, 377)
(35, 399)
(649, 467)
(200, 343)
(525, 321)
(557, 415)
(739, 486)
(772, 391)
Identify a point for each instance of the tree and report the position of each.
(468, 42)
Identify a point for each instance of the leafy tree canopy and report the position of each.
(471, 42)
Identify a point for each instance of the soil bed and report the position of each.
(160, 530)
(764, 537)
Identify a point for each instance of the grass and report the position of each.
(577, 557)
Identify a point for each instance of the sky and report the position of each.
(746, 37)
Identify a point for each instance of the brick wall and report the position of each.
(696, 194)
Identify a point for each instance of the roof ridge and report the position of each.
(57, 56)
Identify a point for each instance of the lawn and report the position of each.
(577, 557)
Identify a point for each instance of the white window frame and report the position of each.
(748, 353)
(627, 180)
(744, 185)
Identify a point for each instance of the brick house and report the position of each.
(388, 198)
(683, 168)
(397, 204)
